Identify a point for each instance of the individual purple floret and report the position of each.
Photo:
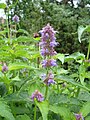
(51, 81)
(53, 62)
(49, 63)
(15, 18)
(43, 76)
(4, 68)
(39, 97)
(79, 116)
(53, 44)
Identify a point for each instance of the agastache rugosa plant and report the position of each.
(36, 96)
(47, 44)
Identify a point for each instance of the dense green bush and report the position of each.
(65, 18)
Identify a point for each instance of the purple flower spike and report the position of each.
(39, 97)
(4, 68)
(79, 117)
(15, 18)
(48, 41)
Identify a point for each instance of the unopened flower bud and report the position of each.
(4, 68)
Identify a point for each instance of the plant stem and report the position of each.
(8, 23)
(46, 92)
(88, 51)
(57, 87)
(77, 93)
(35, 111)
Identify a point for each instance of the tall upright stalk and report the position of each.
(46, 92)
(8, 23)
(88, 52)
(35, 108)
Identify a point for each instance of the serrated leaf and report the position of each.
(63, 111)
(85, 110)
(71, 81)
(75, 56)
(5, 111)
(84, 96)
(44, 108)
(60, 57)
(62, 99)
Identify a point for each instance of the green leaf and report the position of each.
(85, 110)
(87, 118)
(63, 111)
(21, 53)
(71, 81)
(82, 73)
(23, 117)
(17, 66)
(75, 56)
(2, 6)
(62, 99)
(84, 96)
(5, 111)
(37, 38)
(44, 108)
(62, 71)
(87, 75)
(16, 78)
(22, 31)
(24, 39)
(60, 57)
(81, 29)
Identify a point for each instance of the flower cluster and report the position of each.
(49, 63)
(48, 79)
(79, 116)
(15, 18)
(39, 97)
(47, 44)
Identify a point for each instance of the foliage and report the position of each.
(63, 16)
(21, 70)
